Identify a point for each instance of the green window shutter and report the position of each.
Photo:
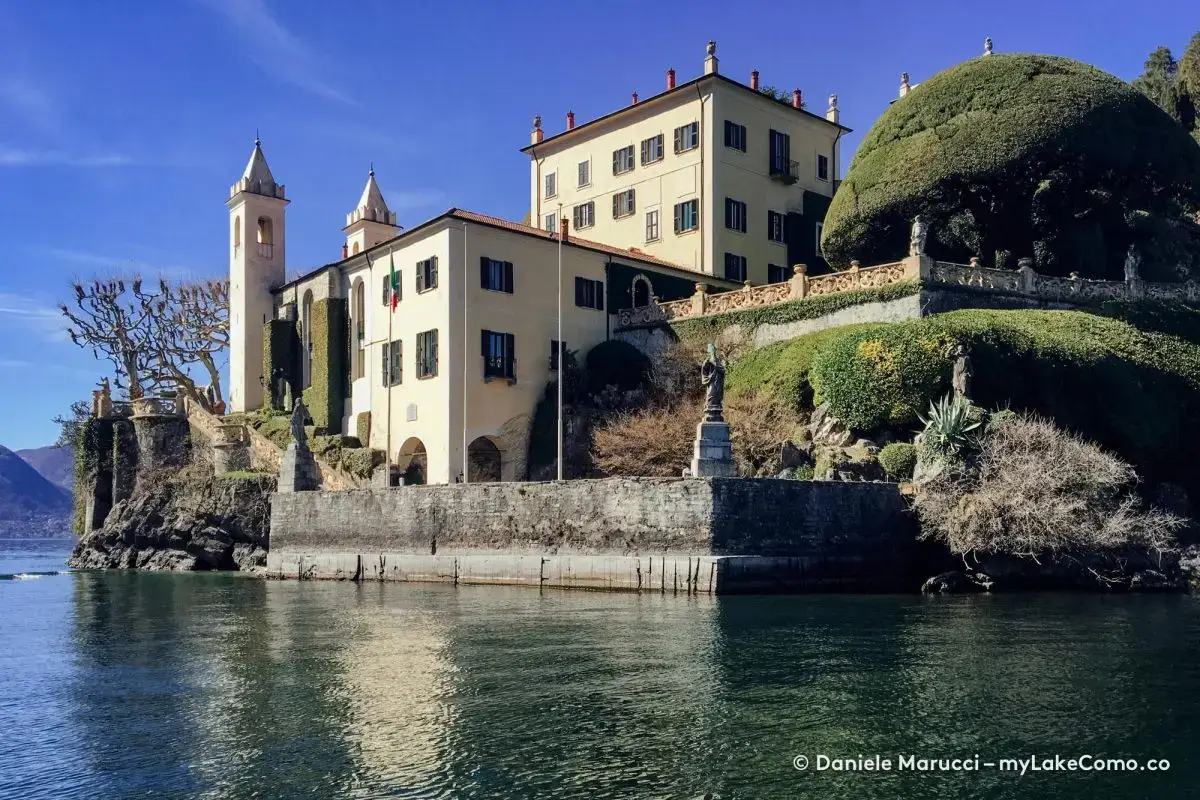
(483, 272)
(508, 277)
(383, 369)
(600, 295)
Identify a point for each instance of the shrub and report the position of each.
(655, 442)
(898, 460)
(615, 363)
(758, 428)
(1039, 489)
(781, 371)
(952, 428)
(330, 373)
(1033, 154)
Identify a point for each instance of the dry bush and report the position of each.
(1035, 489)
(654, 442)
(675, 373)
(758, 428)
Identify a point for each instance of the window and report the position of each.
(622, 160)
(687, 216)
(652, 225)
(735, 268)
(387, 288)
(495, 276)
(589, 293)
(359, 315)
(551, 184)
(735, 215)
(499, 360)
(557, 351)
(266, 237)
(735, 136)
(820, 230)
(687, 137)
(822, 168)
(623, 204)
(781, 153)
(775, 227)
(652, 149)
(585, 173)
(549, 223)
(776, 273)
(642, 291)
(392, 368)
(427, 354)
(427, 274)
(585, 215)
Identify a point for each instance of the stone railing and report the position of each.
(1022, 281)
(704, 303)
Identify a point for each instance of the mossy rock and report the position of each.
(1028, 155)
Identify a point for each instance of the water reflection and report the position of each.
(214, 686)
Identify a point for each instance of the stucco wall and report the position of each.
(609, 533)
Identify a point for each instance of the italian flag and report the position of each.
(394, 281)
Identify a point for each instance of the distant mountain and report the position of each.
(30, 505)
(56, 464)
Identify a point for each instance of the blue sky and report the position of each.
(123, 124)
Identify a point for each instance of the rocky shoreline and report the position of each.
(184, 520)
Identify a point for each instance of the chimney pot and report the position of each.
(670, 79)
(797, 99)
(345, 250)
(537, 129)
(570, 120)
(754, 80)
(562, 228)
(635, 98)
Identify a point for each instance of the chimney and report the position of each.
(562, 229)
(570, 120)
(634, 99)
(345, 251)
(710, 60)
(904, 87)
(832, 114)
(670, 79)
(537, 130)
(797, 100)
(754, 80)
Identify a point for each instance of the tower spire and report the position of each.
(256, 177)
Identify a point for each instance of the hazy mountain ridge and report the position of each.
(55, 464)
(30, 505)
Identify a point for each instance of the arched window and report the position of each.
(237, 233)
(266, 237)
(355, 250)
(306, 322)
(642, 291)
(359, 318)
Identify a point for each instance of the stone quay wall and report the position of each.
(694, 535)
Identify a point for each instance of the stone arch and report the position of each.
(358, 322)
(237, 231)
(484, 460)
(413, 462)
(642, 290)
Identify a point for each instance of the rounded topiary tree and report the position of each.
(1024, 155)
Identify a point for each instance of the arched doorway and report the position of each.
(413, 462)
(641, 291)
(483, 461)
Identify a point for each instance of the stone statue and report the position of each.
(963, 370)
(712, 377)
(916, 244)
(1132, 263)
(278, 388)
(299, 414)
(987, 46)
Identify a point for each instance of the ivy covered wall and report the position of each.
(326, 396)
(281, 352)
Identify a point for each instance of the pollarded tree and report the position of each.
(1012, 155)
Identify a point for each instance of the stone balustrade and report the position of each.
(1024, 281)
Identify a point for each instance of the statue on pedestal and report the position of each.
(299, 417)
(712, 377)
(1132, 265)
(916, 243)
(963, 371)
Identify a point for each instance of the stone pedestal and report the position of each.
(713, 454)
(230, 452)
(298, 472)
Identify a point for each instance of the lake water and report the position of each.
(206, 685)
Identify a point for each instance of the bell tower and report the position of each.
(371, 222)
(256, 266)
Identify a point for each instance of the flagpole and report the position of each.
(466, 475)
(562, 361)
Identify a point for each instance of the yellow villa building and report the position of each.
(709, 181)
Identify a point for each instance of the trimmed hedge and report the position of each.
(898, 460)
(1135, 392)
(325, 397)
(281, 351)
(709, 328)
(1023, 155)
(781, 370)
(362, 427)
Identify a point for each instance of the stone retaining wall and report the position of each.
(690, 535)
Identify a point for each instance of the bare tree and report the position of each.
(154, 337)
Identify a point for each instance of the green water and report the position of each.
(127, 685)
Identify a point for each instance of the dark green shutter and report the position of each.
(508, 277)
(483, 272)
(600, 295)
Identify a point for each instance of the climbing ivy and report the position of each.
(326, 395)
(281, 351)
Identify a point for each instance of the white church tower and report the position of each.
(371, 222)
(256, 266)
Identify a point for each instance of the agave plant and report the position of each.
(951, 428)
